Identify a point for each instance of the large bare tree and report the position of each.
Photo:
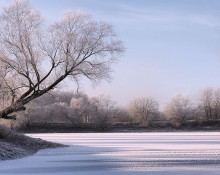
(36, 57)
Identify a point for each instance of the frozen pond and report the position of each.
(123, 153)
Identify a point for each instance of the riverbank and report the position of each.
(14, 146)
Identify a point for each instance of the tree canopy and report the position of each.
(35, 57)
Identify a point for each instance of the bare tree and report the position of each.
(210, 104)
(179, 109)
(123, 116)
(143, 109)
(35, 59)
(206, 103)
(81, 109)
(216, 105)
(104, 111)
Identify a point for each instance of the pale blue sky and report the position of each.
(172, 46)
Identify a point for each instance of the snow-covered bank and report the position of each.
(123, 153)
(17, 146)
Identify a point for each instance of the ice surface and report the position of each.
(188, 153)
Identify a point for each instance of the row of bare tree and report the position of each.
(181, 109)
(78, 110)
(72, 110)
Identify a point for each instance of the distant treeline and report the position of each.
(79, 111)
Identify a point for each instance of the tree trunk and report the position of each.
(26, 98)
(9, 110)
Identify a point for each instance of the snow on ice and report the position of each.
(184, 153)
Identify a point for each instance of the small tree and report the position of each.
(123, 116)
(143, 109)
(216, 105)
(179, 109)
(81, 109)
(35, 59)
(104, 111)
(210, 104)
(206, 101)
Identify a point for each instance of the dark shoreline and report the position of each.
(120, 129)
